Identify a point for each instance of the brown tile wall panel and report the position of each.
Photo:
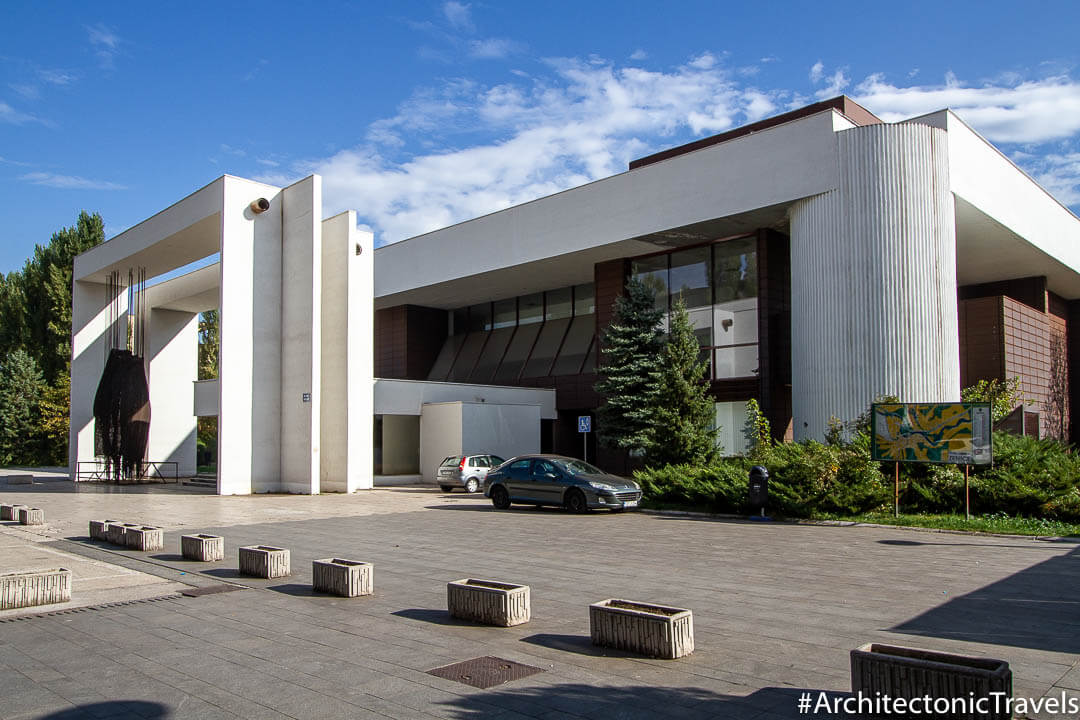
(774, 329)
(1029, 290)
(609, 279)
(982, 345)
(1072, 360)
(1036, 351)
(407, 341)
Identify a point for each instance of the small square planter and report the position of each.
(652, 630)
(489, 602)
(116, 531)
(347, 578)
(903, 672)
(31, 516)
(99, 529)
(21, 479)
(202, 548)
(264, 561)
(10, 512)
(39, 587)
(144, 538)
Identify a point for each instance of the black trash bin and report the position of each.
(759, 488)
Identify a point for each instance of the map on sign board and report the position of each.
(956, 433)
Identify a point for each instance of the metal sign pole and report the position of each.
(896, 491)
(967, 494)
(585, 447)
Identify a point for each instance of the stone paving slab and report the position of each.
(777, 608)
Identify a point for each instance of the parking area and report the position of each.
(777, 607)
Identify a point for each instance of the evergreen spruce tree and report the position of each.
(21, 389)
(684, 418)
(630, 371)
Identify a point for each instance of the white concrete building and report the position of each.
(826, 258)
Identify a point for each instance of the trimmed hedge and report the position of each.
(1029, 478)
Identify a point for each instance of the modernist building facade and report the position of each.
(825, 257)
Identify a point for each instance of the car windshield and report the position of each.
(452, 460)
(579, 467)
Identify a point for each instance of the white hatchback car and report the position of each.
(467, 471)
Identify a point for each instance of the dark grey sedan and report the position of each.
(557, 480)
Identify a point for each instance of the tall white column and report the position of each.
(347, 356)
(172, 364)
(90, 328)
(873, 279)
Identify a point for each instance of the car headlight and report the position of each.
(604, 487)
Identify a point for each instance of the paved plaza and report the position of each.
(777, 607)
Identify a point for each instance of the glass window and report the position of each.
(518, 352)
(531, 309)
(496, 461)
(445, 360)
(689, 277)
(584, 299)
(559, 304)
(521, 465)
(575, 346)
(590, 358)
(489, 360)
(460, 321)
(653, 271)
(731, 424)
(480, 317)
(547, 345)
(467, 357)
(505, 313)
(735, 269)
(734, 362)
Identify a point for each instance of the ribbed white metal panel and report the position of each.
(873, 279)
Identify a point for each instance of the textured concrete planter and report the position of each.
(99, 529)
(347, 578)
(264, 561)
(203, 548)
(40, 587)
(31, 516)
(902, 672)
(144, 538)
(116, 531)
(651, 630)
(10, 512)
(488, 602)
(21, 479)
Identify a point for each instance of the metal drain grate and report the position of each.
(210, 590)
(485, 672)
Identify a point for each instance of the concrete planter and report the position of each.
(99, 529)
(347, 578)
(264, 561)
(488, 602)
(40, 587)
(202, 548)
(652, 630)
(902, 672)
(116, 531)
(144, 538)
(20, 479)
(31, 516)
(10, 512)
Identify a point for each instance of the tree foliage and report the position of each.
(209, 328)
(630, 373)
(684, 417)
(35, 325)
(1003, 396)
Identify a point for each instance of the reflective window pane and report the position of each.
(466, 359)
(584, 299)
(480, 317)
(547, 345)
(517, 353)
(735, 269)
(505, 313)
(575, 346)
(449, 351)
(735, 362)
(559, 304)
(484, 372)
(730, 420)
(531, 308)
(653, 272)
(689, 277)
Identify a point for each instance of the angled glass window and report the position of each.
(547, 346)
(441, 369)
(467, 357)
(492, 355)
(653, 272)
(517, 353)
(584, 299)
(689, 277)
(575, 346)
(558, 304)
(531, 309)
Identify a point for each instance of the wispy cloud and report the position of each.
(492, 48)
(16, 163)
(69, 182)
(12, 116)
(458, 15)
(457, 36)
(835, 82)
(639, 54)
(1059, 174)
(817, 71)
(105, 43)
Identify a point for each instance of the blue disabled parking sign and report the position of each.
(584, 423)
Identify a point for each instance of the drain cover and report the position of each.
(485, 672)
(209, 590)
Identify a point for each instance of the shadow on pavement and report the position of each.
(437, 617)
(297, 590)
(112, 709)
(1036, 608)
(581, 700)
(1022, 545)
(580, 644)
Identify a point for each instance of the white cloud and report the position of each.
(817, 71)
(105, 42)
(583, 120)
(69, 182)
(837, 82)
(639, 54)
(1031, 111)
(491, 48)
(458, 15)
(12, 116)
(1058, 173)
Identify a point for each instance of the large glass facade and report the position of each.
(531, 336)
(718, 285)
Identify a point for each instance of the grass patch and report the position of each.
(993, 523)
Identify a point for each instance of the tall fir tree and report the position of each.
(630, 371)
(21, 390)
(684, 418)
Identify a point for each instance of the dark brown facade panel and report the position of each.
(1031, 291)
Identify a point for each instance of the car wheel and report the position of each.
(446, 488)
(575, 501)
(472, 485)
(500, 498)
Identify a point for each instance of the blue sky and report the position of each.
(420, 114)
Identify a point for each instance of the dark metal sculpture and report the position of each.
(122, 401)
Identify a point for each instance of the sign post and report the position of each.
(584, 426)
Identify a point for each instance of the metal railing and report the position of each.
(99, 471)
